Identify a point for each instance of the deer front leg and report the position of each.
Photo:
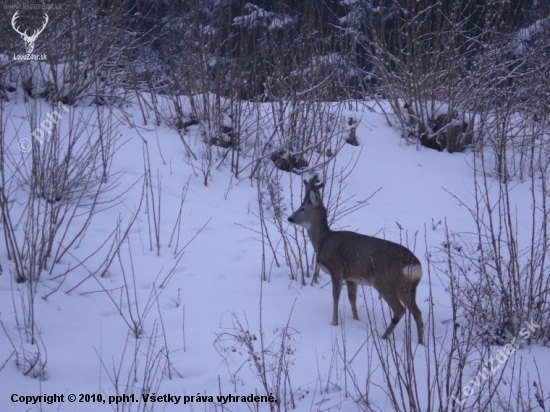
(352, 296)
(336, 289)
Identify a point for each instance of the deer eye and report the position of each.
(302, 209)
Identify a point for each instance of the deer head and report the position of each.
(29, 40)
(311, 211)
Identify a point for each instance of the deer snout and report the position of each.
(291, 220)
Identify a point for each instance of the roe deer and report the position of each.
(393, 270)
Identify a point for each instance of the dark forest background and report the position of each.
(468, 54)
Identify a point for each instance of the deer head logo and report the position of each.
(29, 40)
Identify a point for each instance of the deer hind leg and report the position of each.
(397, 308)
(408, 297)
(352, 296)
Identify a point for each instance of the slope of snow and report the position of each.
(217, 283)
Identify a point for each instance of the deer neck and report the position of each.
(318, 230)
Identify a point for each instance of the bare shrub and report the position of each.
(140, 369)
(269, 361)
(48, 199)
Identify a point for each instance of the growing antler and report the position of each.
(313, 185)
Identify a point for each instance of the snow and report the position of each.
(84, 332)
(259, 17)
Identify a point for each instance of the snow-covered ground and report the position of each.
(199, 324)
